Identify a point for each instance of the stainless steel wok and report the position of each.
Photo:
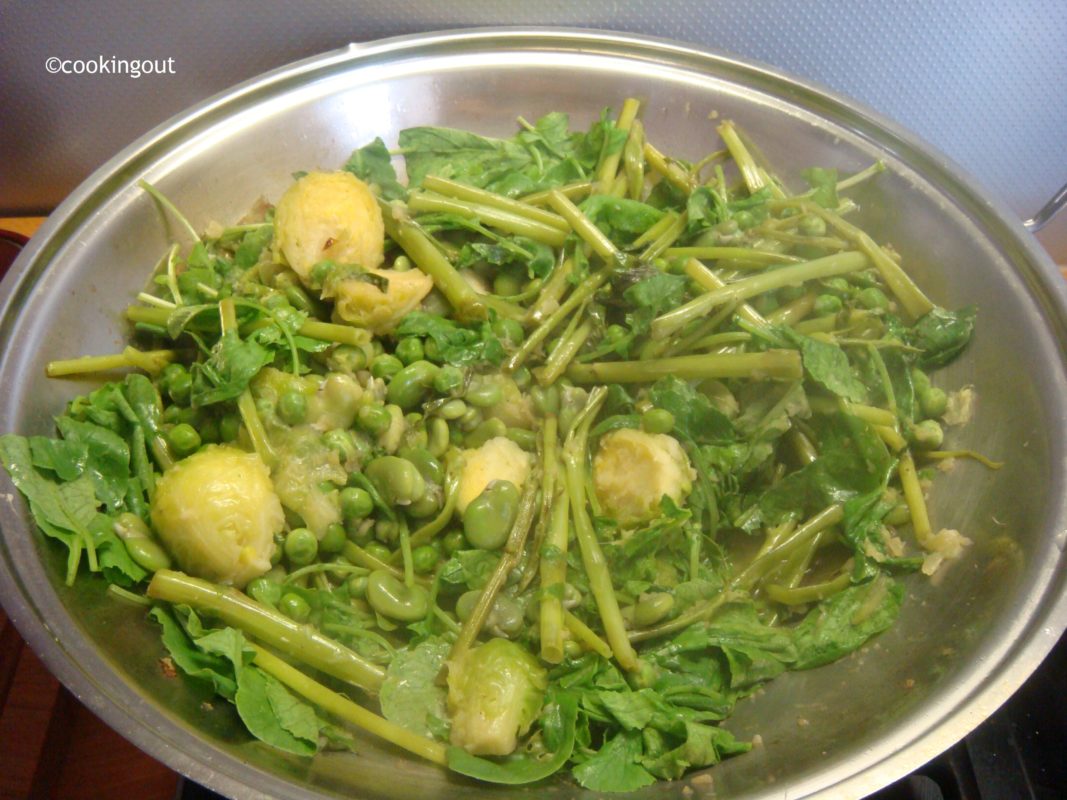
(962, 645)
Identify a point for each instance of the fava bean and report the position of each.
(147, 554)
(488, 519)
(453, 409)
(378, 551)
(397, 480)
(385, 366)
(484, 394)
(651, 607)
(340, 441)
(408, 386)
(490, 429)
(525, 439)
(509, 331)
(391, 598)
(448, 379)
(375, 419)
(437, 437)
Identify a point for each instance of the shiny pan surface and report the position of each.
(962, 644)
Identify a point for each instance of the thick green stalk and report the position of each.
(538, 335)
(671, 172)
(749, 169)
(343, 708)
(246, 404)
(560, 358)
(332, 332)
(793, 275)
(793, 311)
(483, 197)
(714, 253)
(700, 612)
(812, 593)
(571, 190)
(710, 281)
(584, 227)
(777, 364)
(575, 455)
(302, 642)
(609, 166)
(802, 536)
(506, 221)
(913, 496)
(424, 534)
(668, 237)
(586, 636)
(551, 292)
(151, 361)
(633, 160)
(420, 248)
(553, 579)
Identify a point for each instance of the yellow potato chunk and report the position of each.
(217, 514)
(328, 215)
(362, 303)
(632, 470)
(499, 459)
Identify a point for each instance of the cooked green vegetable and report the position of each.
(557, 452)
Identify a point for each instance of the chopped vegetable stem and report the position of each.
(776, 364)
(486, 198)
(494, 217)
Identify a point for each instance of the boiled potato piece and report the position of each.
(328, 215)
(499, 459)
(632, 470)
(217, 514)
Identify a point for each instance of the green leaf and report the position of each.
(458, 345)
(558, 720)
(705, 208)
(410, 695)
(620, 219)
(470, 567)
(704, 746)
(942, 335)
(226, 373)
(373, 164)
(615, 766)
(824, 185)
(843, 623)
(258, 700)
(827, 364)
(107, 459)
(191, 660)
(694, 416)
(459, 155)
(650, 297)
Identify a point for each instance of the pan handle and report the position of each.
(1048, 211)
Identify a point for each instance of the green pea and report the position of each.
(873, 298)
(357, 586)
(147, 554)
(385, 366)
(170, 372)
(346, 358)
(409, 350)
(811, 225)
(571, 649)
(453, 409)
(183, 439)
(375, 419)
(744, 219)
(340, 441)
(424, 558)
(657, 420)
(490, 429)
(408, 386)
(453, 540)
(301, 547)
(484, 394)
(545, 399)
(826, 304)
(397, 480)
(264, 590)
(356, 503)
(428, 506)
(437, 437)
(466, 602)
(839, 286)
(229, 427)
(209, 431)
(488, 519)
(506, 284)
(448, 379)
(276, 574)
(899, 515)
(651, 607)
(293, 407)
(171, 415)
(179, 388)
(295, 607)
(509, 331)
(928, 434)
(525, 439)
(333, 540)
(378, 551)
(933, 402)
(391, 598)
(615, 333)
(430, 347)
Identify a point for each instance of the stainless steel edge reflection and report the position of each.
(962, 647)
